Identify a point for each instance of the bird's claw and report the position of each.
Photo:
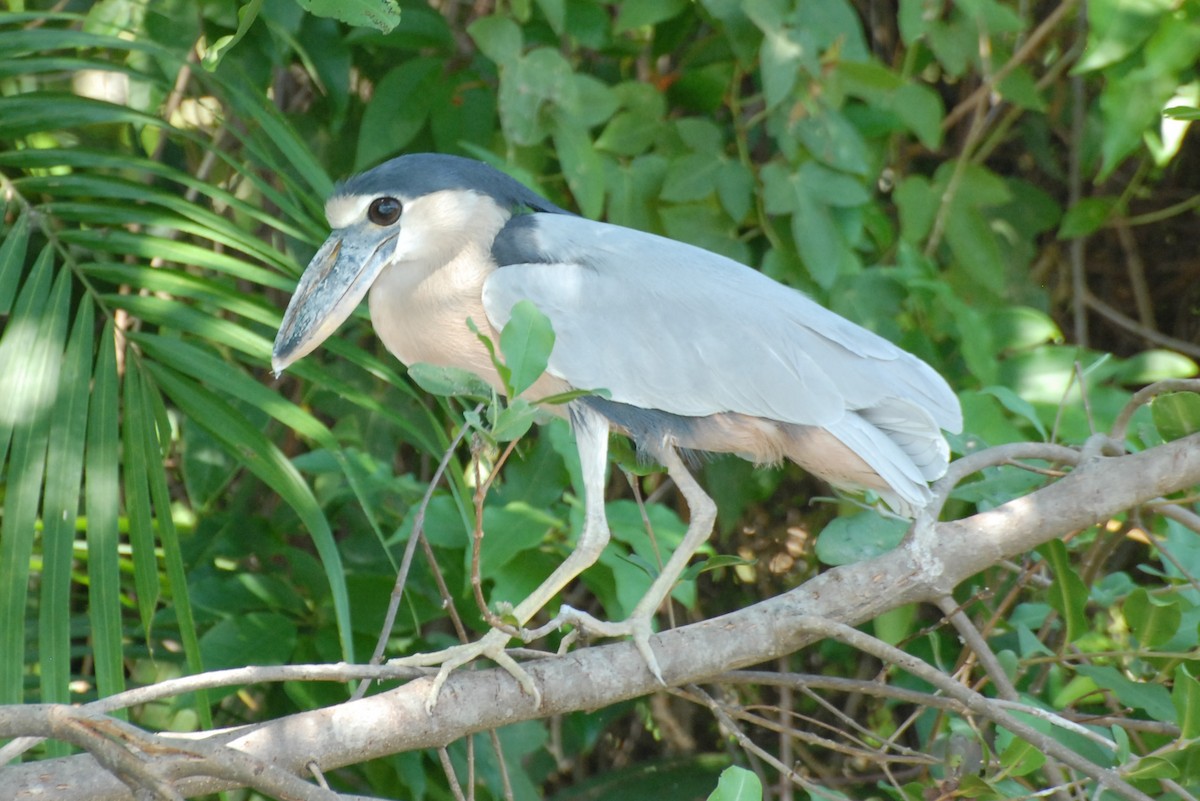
(491, 646)
(638, 627)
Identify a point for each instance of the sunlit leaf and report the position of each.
(526, 342)
(101, 466)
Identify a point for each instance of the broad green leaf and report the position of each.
(102, 494)
(854, 538)
(438, 380)
(737, 784)
(582, 165)
(1151, 767)
(526, 342)
(976, 250)
(385, 133)
(257, 638)
(692, 177)
(382, 15)
(1156, 364)
(641, 13)
(817, 237)
(509, 531)
(514, 420)
(1156, 699)
(262, 458)
(1018, 406)
(1117, 29)
(833, 140)
(498, 37)
(921, 110)
(917, 203)
(1020, 758)
(1176, 414)
(1153, 620)
(1087, 216)
(786, 55)
(1185, 695)
(735, 189)
(1067, 593)
(1022, 327)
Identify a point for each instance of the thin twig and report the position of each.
(418, 534)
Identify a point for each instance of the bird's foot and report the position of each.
(638, 627)
(491, 646)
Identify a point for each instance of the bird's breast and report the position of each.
(422, 317)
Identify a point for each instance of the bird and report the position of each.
(684, 351)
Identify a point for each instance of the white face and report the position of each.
(432, 228)
(342, 211)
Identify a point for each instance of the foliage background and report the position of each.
(992, 184)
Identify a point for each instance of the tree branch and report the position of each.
(477, 700)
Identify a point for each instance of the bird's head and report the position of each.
(414, 212)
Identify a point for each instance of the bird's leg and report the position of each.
(639, 624)
(591, 436)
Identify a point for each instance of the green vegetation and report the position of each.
(1001, 187)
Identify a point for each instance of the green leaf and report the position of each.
(854, 538)
(246, 15)
(137, 420)
(438, 380)
(642, 13)
(1151, 767)
(155, 445)
(582, 165)
(60, 509)
(30, 358)
(1176, 414)
(514, 420)
(511, 530)
(920, 108)
(737, 784)
(691, 177)
(1087, 216)
(1182, 113)
(1153, 620)
(12, 261)
(833, 140)
(1018, 406)
(382, 15)
(1185, 695)
(497, 37)
(257, 638)
(102, 494)
(1139, 694)
(385, 133)
(1068, 594)
(262, 458)
(526, 342)
(1020, 758)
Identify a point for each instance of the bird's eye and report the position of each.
(384, 210)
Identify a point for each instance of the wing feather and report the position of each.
(665, 325)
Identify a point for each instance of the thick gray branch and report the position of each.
(922, 569)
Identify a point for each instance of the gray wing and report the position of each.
(665, 325)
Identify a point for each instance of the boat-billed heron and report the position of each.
(696, 352)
